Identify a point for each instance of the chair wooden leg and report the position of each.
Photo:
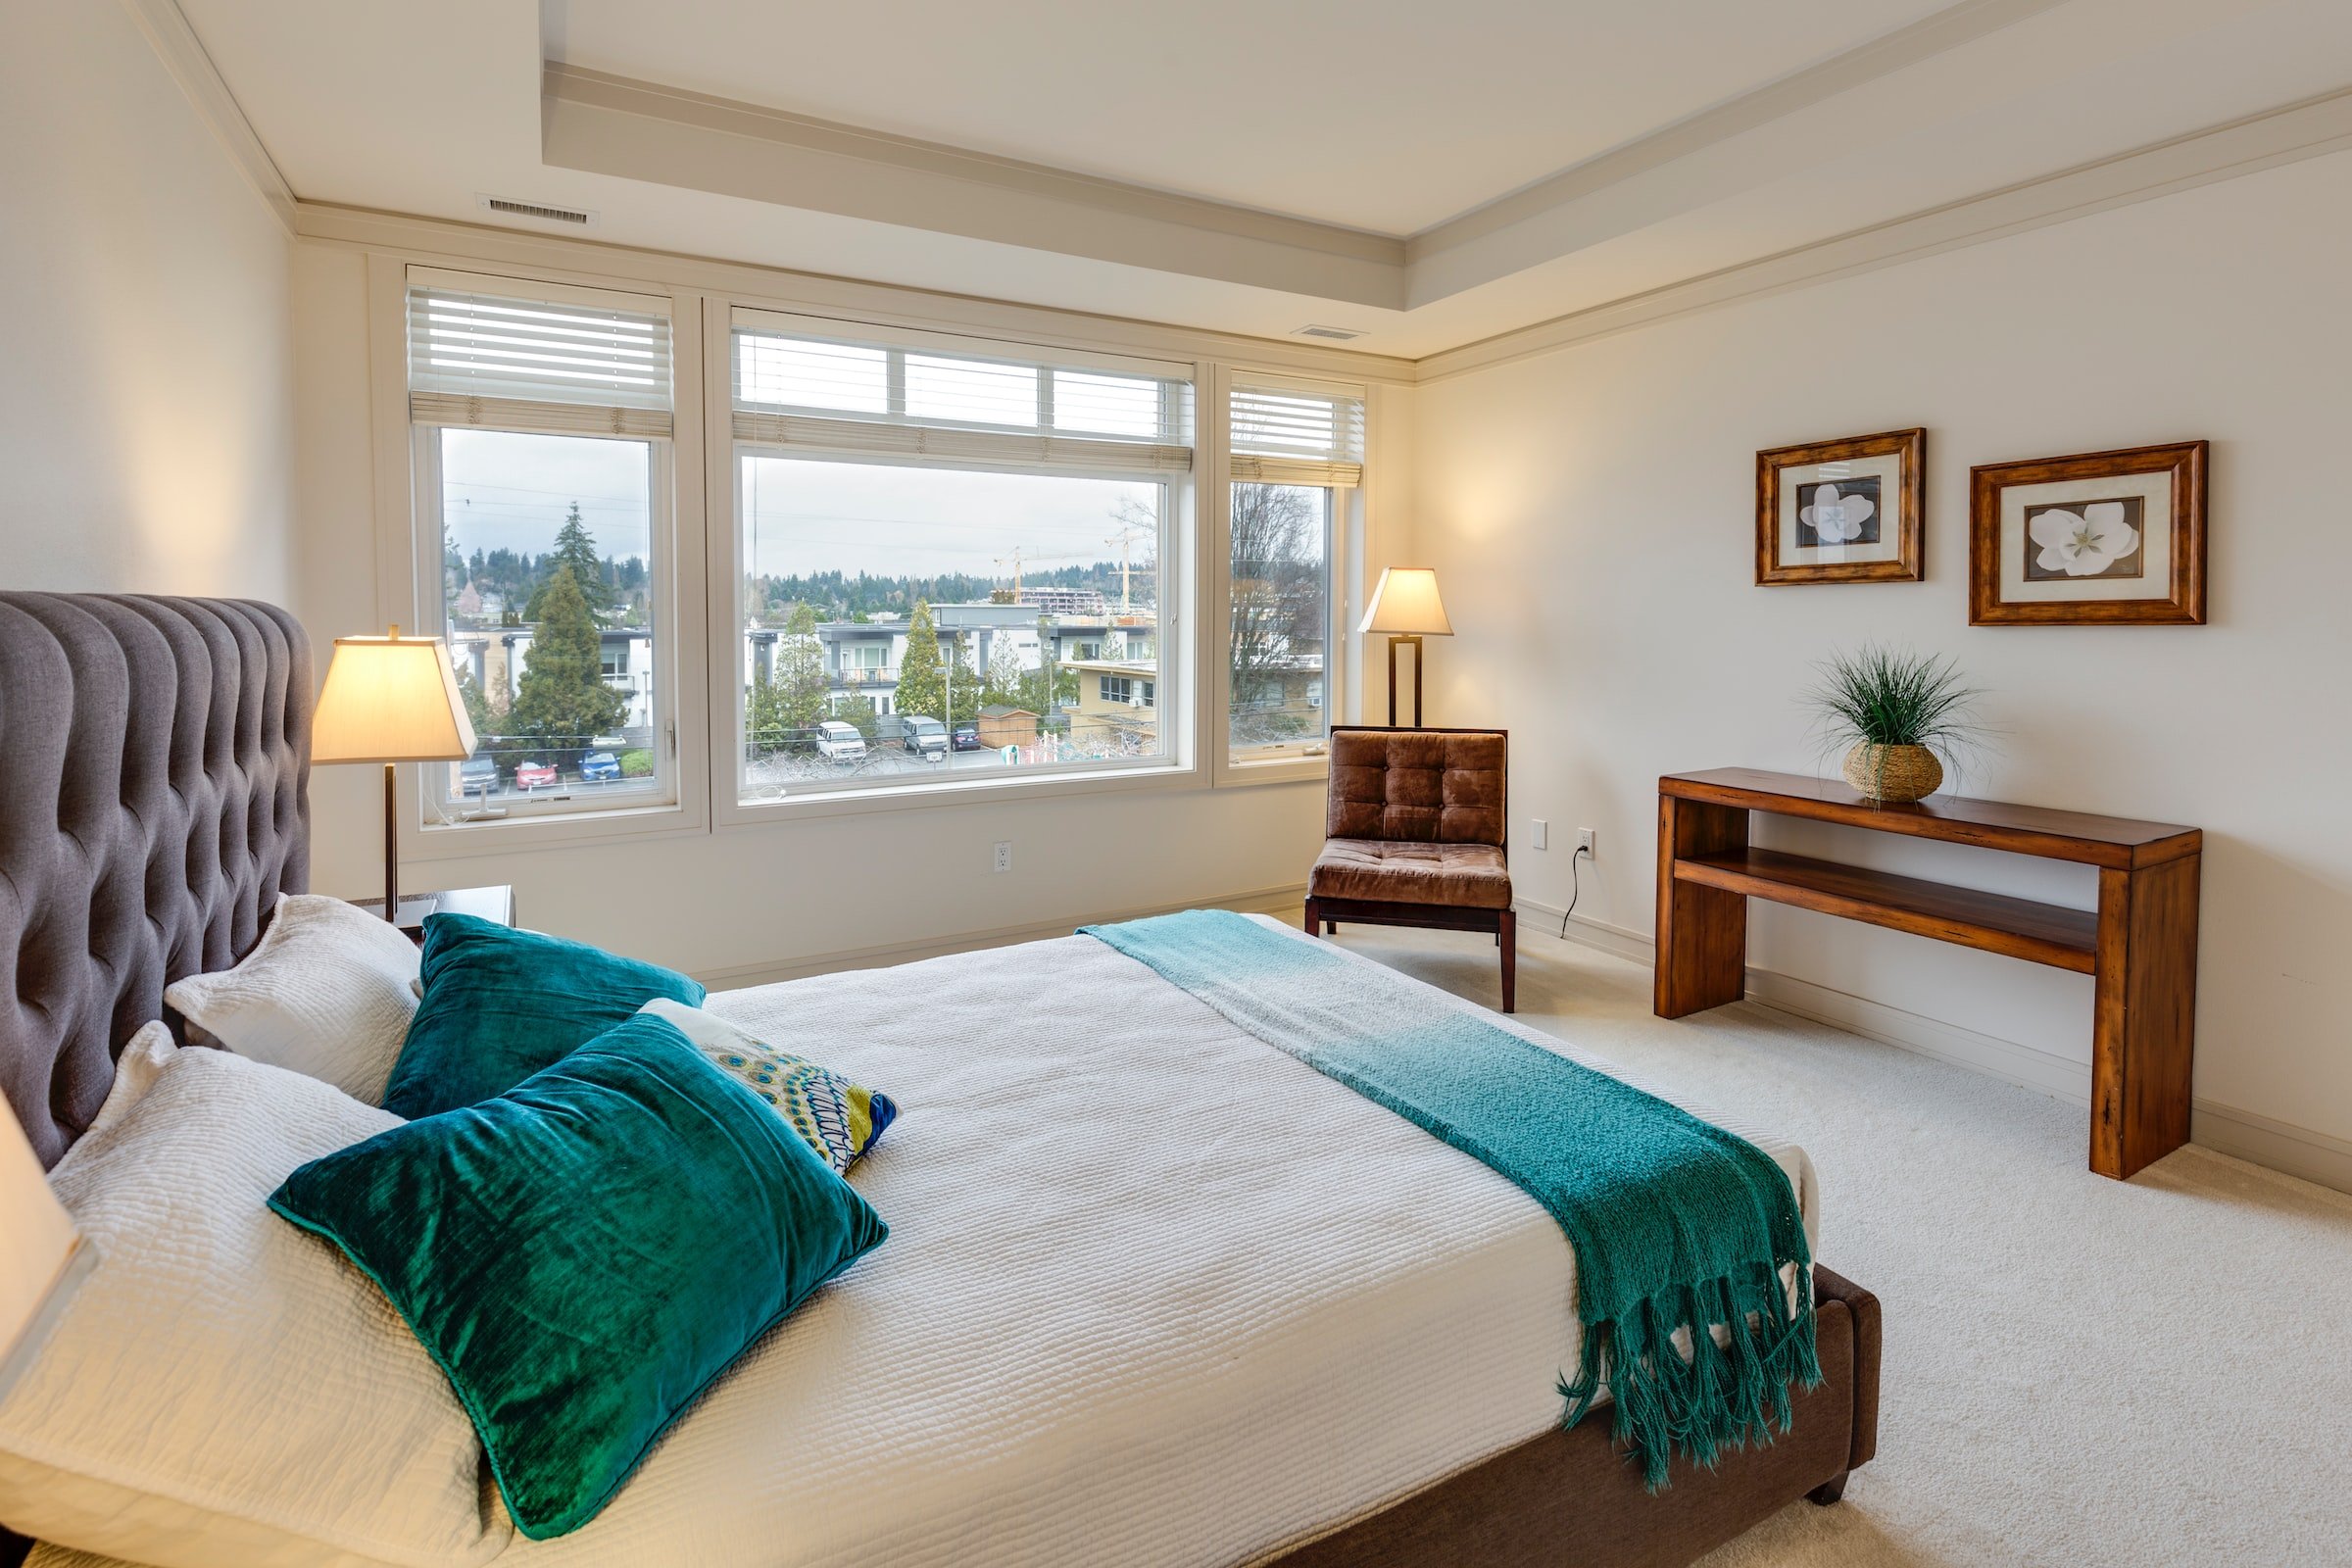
(1506, 935)
(1314, 919)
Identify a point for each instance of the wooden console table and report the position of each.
(2140, 946)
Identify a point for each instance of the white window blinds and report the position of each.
(578, 361)
(950, 400)
(1283, 433)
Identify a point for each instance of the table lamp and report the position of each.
(42, 1256)
(1406, 606)
(390, 700)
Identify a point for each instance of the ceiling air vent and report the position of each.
(509, 208)
(1335, 334)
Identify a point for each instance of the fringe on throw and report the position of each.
(1720, 1398)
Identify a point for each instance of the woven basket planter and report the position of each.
(1895, 773)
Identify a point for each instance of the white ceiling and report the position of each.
(1434, 174)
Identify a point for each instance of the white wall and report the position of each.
(146, 390)
(744, 900)
(1591, 512)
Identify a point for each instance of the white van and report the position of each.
(840, 742)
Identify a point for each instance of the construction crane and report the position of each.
(1125, 538)
(1014, 561)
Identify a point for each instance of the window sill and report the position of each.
(1284, 768)
(850, 802)
(458, 841)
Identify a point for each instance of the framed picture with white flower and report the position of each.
(2108, 538)
(1841, 511)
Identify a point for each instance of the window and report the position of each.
(941, 530)
(541, 429)
(1296, 452)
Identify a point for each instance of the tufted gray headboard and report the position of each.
(154, 803)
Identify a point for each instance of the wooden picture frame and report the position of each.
(1802, 537)
(2102, 539)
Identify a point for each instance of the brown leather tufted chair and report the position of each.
(1414, 835)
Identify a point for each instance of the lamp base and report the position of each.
(1415, 640)
(391, 843)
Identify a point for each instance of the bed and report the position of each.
(1155, 1294)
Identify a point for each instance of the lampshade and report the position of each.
(390, 700)
(1407, 603)
(41, 1254)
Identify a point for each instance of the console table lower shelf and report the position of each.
(2140, 946)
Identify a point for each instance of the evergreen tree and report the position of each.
(763, 728)
(562, 703)
(575, 552)
(1005, 684)
(801, 669)
(858, 714)
(787, 703)
(922, 683)
(478, 710)
(965, 693)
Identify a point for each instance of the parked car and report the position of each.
(922, 737)
(600, 767)
(477, 775)
(534, 775)
(840, 742)
(966, 737)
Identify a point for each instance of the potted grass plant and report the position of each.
(1901, 718)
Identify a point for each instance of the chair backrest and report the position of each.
(1421, 786)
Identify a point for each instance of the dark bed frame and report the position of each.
(158, 803)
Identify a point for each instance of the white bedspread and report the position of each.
(1154, 1293)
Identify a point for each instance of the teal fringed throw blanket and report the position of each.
(1673, 1221)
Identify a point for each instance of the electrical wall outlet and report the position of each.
(1004, 856)
(1584, 842)
(1541, 837)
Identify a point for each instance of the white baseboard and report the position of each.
(2316, 1156)
(1280, 899)
(2259, 1139)
(1625, 943)
(2027, 1066)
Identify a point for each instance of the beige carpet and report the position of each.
(2078, 1371)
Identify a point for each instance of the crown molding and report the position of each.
(601, 124)
(473, 246)
(183, 55)
(2307, 130)
(2310, 128)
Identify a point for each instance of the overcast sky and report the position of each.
(512, 491)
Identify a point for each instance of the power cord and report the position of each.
(1574, 888)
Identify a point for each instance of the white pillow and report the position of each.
(225, 1390)
(328, 991)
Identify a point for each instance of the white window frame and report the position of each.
(408, 530)
(704, 692)
(1179, 765)
(1351, 515)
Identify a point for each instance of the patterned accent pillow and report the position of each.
(839, 1119)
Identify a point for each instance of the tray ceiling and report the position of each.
(1432, 175)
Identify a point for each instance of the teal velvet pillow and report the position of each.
(500, 1004)
(586, 1253)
